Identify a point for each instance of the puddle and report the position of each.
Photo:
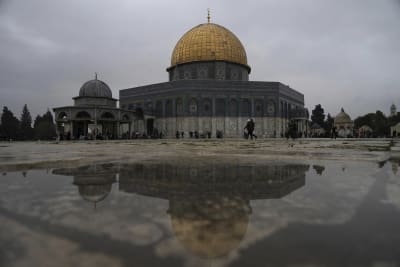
(202, 213)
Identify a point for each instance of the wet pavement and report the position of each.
(200, 204)
(28, 155)
(202, 213)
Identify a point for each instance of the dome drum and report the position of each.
(95, 101)
(209, 70)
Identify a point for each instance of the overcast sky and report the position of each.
(339, 53)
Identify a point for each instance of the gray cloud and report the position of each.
(338, 53)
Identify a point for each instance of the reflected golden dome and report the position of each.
(208, 42)
(210, 228)
(210, 239)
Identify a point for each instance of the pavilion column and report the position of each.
(58, 130)
(164, 117)
(252, 109)
(118, 129)
(71, 134)
(85, 128)
(174, 117)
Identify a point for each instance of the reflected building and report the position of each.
(209, 205)
(169, 181)
(319, 169)
(94, 182)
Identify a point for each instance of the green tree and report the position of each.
(26, 130)
(393, 120)
(329, 123)
(366, 119)
(44, 127)
(318, 116)
(378, 122)
(381, 126)
(9, 125)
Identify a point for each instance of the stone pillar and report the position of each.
(57, 130)
(252, 110)
(174, 118)
(118, 129)
(163, 113)
(213, 118)
(71, 134)
(199, 110)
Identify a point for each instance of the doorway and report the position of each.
(150, 126)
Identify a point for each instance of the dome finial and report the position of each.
(95, 75)
(208, 15)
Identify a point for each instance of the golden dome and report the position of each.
(208, 42)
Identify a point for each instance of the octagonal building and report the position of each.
(209, 92)
(94, 115)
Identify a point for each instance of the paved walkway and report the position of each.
(26, 155)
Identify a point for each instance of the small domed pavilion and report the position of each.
(94, 115)
(344, 124)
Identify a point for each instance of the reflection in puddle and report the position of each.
(209, 205)
(319, 169)
(202, 214)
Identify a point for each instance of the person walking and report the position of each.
(250, 125)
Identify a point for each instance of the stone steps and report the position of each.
(396, 146)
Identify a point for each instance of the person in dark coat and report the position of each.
(250, 125)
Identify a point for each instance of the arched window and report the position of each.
(179, 106)
(159, 111)
(202, 73)
(125, 117)
(139, 113)
(233, 108)
(193, 106)
(187, 75)
(258, 109)
(207, 107)
(63, 116)
(245, 109)
(168, 107)
(271, 108)
(220, 107)
(107, 115)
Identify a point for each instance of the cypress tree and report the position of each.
(44, 127)
(9, 125)
(318, 116)
(26, 130)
